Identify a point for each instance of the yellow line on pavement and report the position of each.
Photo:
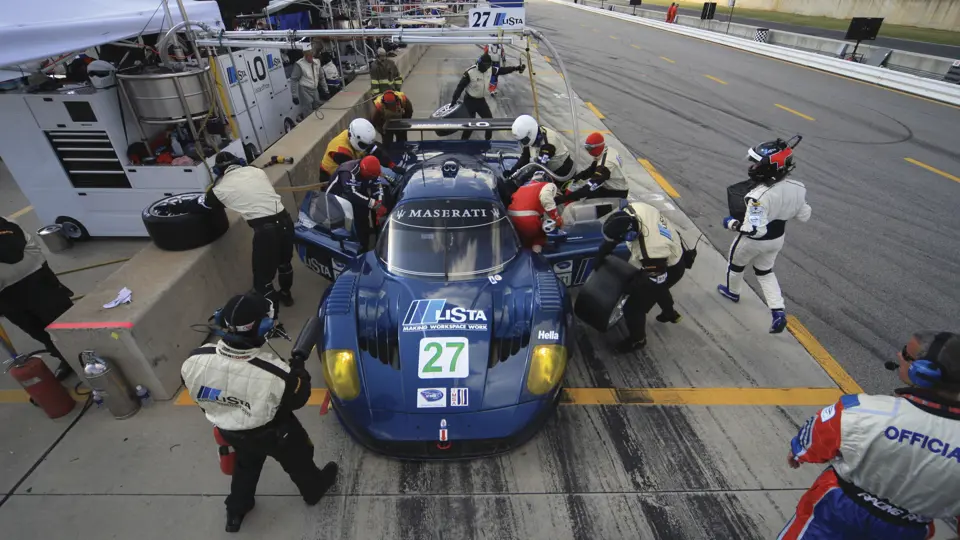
(614, 37)
(634, 46)
(820, 354)
(21, 396)
(701, 396)
(659, 178)
(603, 131)
(800, 114)
(714, 79)
(932, 169)
(595, 110)
(547, 58)
(662, 396)
(668, 60)
(19, 213)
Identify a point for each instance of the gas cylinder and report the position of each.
(37, 379)
(106, 378)
(228, 458)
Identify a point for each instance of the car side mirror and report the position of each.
(340, 234)
(557, 236)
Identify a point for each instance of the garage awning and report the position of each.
(39, 29)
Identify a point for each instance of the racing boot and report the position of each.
(779, 321)
(671, 317)
(722, 289)
(234, 521)
(285, 298)
(630, 345)
(328, 477)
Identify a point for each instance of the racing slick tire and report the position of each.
(457, 111)
(600, 302)
(179, 223)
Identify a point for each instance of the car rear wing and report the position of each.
(450, 124)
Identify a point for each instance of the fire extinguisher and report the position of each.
(228, 457)
(37, 379)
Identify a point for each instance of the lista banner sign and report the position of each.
(497, 17)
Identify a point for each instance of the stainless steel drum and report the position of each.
(159, 94)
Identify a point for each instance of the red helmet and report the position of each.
(391, 99)
(594, 144)
(369, 168)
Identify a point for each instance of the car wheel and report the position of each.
(602, 298)
(449, 111)
(73, 229)
(179, 223)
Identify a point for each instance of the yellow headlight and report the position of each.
(546, 368)
(340, 373)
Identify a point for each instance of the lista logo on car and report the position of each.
(435, 315)
(548, 334)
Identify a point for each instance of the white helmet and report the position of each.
(102, 74)
(361, 134)
(525, 129)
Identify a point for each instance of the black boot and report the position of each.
(328, 477)
(630, 345)
(233, 522)
(672, 317)
(64, 371)
(285, 298)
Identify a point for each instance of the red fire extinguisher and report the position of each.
(37, 379)
(228, 458)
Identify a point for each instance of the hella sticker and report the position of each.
(459, 397)
(431, 398)
(548, 334)
(424, 315)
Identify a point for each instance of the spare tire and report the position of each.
(449, 111)
(600, 302)
(180, 223)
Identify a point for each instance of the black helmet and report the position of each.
(771, 161)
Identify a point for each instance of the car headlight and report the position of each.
(546, 368)
(340, 373)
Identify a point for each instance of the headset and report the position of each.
(927, 373)
(630, 236)
(221, 168)
(264, 325)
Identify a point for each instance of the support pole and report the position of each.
(533, 87)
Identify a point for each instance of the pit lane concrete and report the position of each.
(595, 472)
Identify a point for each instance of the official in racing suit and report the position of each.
(248, 191)
(392, 105)
(602, 178)
(250, 396)
(774, 201)
(355, 181)
(540, 141)
(532, 206)
(355, 142)
(894, 460)
(476, 83)
(657, 251)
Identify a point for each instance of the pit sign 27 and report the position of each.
(497, 17)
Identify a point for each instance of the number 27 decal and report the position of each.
(444, 358)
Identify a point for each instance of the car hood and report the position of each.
(429, 347)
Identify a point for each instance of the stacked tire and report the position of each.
(180, 223)
(601, 300)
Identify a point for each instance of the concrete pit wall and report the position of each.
(941, 14)
(150, 337)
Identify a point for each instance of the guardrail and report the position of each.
(936, 90)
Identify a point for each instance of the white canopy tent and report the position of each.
(40, 29)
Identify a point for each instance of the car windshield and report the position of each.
(451, 239)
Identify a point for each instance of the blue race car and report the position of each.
(447, 340)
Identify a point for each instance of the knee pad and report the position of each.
(737, 268)
(759, 272)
